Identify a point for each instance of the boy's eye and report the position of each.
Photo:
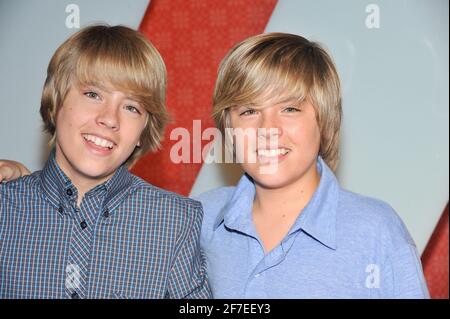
(132, 109)
(247, 112)
(92, 95)
(291, 109)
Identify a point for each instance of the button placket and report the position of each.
(106, 217)
(83, 224)
(60, 211)
(81, 243)
(75, 295)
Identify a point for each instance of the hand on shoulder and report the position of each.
(10, 170)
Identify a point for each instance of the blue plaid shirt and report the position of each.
(128, 239)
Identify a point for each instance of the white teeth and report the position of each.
(272, 153)
(98, 141)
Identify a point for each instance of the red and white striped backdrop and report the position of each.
(193, 36)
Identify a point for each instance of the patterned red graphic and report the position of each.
(193, 37)
(435, 259)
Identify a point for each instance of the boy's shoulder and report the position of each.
(214, 201)
(366, 205)
(372, 216)
(142, 189)
(22, 187)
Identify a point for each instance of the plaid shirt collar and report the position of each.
(59, 189)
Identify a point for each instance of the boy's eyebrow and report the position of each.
(101, 88)
(85, 86)
(287, 99)
(130, 97)
(290, 99)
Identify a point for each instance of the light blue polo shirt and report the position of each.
(342, 245)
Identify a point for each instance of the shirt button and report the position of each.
(69, 192)
(75, 295)
(106, 213)
(257, 275)
(60, 209)
(83, 224)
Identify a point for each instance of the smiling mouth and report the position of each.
(272, 153)
(98, 141)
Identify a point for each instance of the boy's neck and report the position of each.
(290, 199)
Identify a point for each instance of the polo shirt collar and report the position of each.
(318, 218)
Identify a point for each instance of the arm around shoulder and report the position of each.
(188, 278)
(10, 170)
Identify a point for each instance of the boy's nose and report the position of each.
(269, 127)
(109, 118)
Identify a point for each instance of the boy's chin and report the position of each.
(269, 179)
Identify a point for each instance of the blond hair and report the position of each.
(281, 65)
(113, 55)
